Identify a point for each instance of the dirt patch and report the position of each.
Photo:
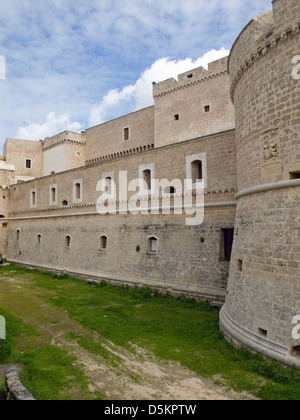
(120, 374)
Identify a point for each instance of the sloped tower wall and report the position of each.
(263, 294)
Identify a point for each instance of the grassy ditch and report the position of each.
(172, 329)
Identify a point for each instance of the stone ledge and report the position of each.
(243, 338)
(201, 293)
(14, 386)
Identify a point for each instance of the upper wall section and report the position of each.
(26, 156)
(63, 152)
(196, 105)
(266, 96)
(262, 35)
(132, 131)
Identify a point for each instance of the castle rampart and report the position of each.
(263, 290)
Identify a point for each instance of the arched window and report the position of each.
(197, 171)
(2, 216)
(147, 178)
(170, 190)
(108, 181)
(103, 242)
(65, 203)
(78, 191)
(39, 239)
(68, 241)
(33, 198)
(53, 195)
(153, 244)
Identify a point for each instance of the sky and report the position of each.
(74, 64)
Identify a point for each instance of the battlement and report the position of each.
(190, 78)
(64, 137)
(262, 35)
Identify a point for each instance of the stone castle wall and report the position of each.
(196, 105)
(109, 138)
(188, 257)
(264, 291)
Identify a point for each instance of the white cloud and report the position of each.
(53, 124)
(141, 92)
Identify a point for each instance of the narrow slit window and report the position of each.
(103, 242)
(197, 171)
(53, 195)
(33, 198)
(227, 236)
(126, 133)
(147, 178)
(39, 239)
(68, 241)
(18, 235)
(108, 182)
(78, 191)
(240, 265)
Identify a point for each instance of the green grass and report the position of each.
(172, 329)
(49, 372)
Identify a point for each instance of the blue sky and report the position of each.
(72, 64)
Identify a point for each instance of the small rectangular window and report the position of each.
(126, 133)
(103, 242)
(295, 175)
(68, 241)
(53, 195)
(153, 245)
(207, 108)
(240, 265)
(28, 164)
(33, 198)
(226, 244)
(262, 332)
(147, 178)
(176, 117)
(77, 191)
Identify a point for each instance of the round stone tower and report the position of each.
(263, 298)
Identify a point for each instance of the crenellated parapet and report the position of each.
(191, 78)
(62, 138)
(261, 36)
